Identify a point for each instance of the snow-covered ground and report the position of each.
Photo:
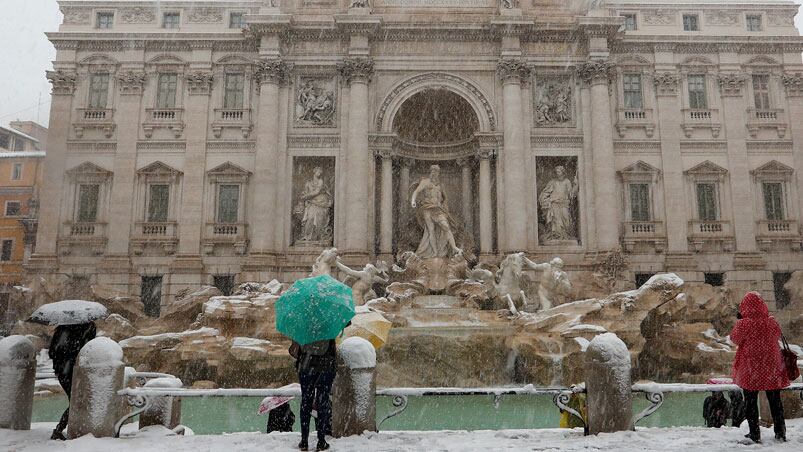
(644, 439)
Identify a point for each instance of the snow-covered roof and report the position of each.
(17, 132)
(21, 154)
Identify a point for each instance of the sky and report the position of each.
(26, 54)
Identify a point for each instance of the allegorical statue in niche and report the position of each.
(432, 212)
(555, 202)
(314, 206)
(315, 104)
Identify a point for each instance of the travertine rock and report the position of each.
(180, 315)
(116, 327)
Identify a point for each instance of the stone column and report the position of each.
(17, 378)
(354, 390)
(386, 204)
(608, 381)
(98, 375)
(486, 209)
(264, 221)
(356, 73)
(468, 193)
(404, 186)
(596, 74)
(51, 193)
(513, 73)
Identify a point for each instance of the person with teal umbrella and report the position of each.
(313, 312)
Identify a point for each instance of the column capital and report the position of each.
(486, 154)
(63, 82)
(357, 69)
(666, 83)
(276, 71)
(200, 82)
(383, 153)
(731, 83)
(793, 84)
(131, 82)
(598, 71)
(512, 70)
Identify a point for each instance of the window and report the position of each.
(166, 91)
(233, 96)
(761, 91)
(88, 202)
(98, 90)
(642, 278)
(224, 283)
(714, 279)
(16, 171)
(773, 200)
(13, 208)
(5, 253)
(151, 295)
(158, 202)
(707, 201)
(228, 203)
(4, 140)
(237, 20)
(171, 20)
(697, 93)
(639, 202)
(105, 20)
(753, 22)
(19, 144)
(632, 91)
(778, 281)
(691, 22)
(630, 22)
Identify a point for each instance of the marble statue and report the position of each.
(324, 262)
(314, 206)
(554, 285)
(361, 289)
(507, 4)
(315, 104)
(555, 202)
(429, 200)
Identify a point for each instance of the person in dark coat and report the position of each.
(716, 410)
(737, 407)
(281, 419)
(316, 364)
(758, 365)
(64, 347)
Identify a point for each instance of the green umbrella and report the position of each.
(314, 309)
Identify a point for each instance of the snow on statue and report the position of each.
(429, 200)
(555, 202)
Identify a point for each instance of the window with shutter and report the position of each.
(228, 203)
(707, 201)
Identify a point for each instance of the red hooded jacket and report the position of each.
(758, 365)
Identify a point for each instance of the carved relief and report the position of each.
(273, 71)
(138, 15)
(731, 83)
(313, 201)
(666, 83)
(131, 82)
(63, 82)
(513, 69)
(77, 16)
(359, 4)
(558, 209)
(781, 19)
(356, 68)
(205, 16)
(793, 84)
(316, 102)
(659, 16)
(199, 82)
(554, 105)
(595, 71)
(722, 17)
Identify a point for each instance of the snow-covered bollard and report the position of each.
(164, 411)
(608, 382)
(17, 378)
(98, 375)
(354, 391)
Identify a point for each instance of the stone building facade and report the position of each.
(219, 141)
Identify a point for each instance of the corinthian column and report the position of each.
(467, 195)
(597, 74)
(486, 211)
(513, 73)
(386, 204)
(356, 73)
(265, 222)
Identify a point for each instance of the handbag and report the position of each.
(789, 360)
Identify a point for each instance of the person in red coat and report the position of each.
(758, 365)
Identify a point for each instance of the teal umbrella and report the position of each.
(314, 309)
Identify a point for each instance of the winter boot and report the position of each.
(322, 445)
(58, 435)
(303, 445)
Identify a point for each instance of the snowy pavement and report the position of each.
(644, 439)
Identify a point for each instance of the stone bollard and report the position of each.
(17, 378)
(354, 391)
(164, 411)
(608, 382)
(97, 377)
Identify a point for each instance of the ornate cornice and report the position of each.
(131, 82)
(273, 71)
(200, 82)
(598, 71)
(666, 83)
(63, 82)
(793, 84)
(511, 70)
(356, 69)
(731, 83)
(485, 154)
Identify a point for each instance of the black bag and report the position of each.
(317, 348)
(315, 355)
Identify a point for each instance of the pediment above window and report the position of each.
(772, 169)
(707, 168)
(230, 172)
(87, 170)
(159, 169)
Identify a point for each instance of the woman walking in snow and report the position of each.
(758, 365)
(64, 347)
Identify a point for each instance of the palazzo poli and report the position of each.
(218, 142)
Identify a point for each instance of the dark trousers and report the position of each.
(65, 380)
(776, 408)
(316, 387)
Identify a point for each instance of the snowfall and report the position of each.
(157, 439)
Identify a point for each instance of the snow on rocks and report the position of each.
(607, 375)
(357, 353)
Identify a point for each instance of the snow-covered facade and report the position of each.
(217, 141)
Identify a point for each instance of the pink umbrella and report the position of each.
(271, 402)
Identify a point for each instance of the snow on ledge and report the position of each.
(357, 353)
